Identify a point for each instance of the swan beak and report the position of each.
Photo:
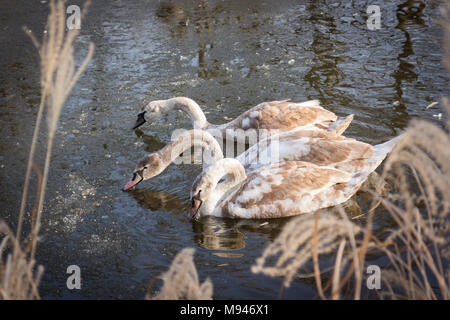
(134, 181)
(196, 204)
(140, 120)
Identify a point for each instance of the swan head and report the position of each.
(149, 113)
(209, 186)
(201, 193)
(147, 168)
(197, 197)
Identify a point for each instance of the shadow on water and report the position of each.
(225, 237)
(409, 15)
(324, 74)
(152, 143)
(228, 236)
(159, 201)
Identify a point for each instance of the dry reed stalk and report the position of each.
(337, 271)
(417, 247)
(181, 280)
(423, 216)
(294, 246)
(357, 254)
(315, 255)
(17, 279)
(58, 76)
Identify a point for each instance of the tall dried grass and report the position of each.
(299, 240)
(181, 280)
(59, 74)
(419, 249)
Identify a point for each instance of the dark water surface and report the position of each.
(228, 56)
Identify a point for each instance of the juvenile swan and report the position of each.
(279, 190)
(272, 117)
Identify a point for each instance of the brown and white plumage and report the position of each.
(282, 189)
(295, 145)
(271, 117)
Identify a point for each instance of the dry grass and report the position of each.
(418, 249)
(181, 280)
(294, 246)
(18, 280)
(18, 277)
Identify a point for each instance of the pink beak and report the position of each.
(196, 204)
(130, 184)
(192, 213)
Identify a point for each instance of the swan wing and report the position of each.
(292, 146)
(284, 115)
(286, 189)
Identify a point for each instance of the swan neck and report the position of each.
(235, 174)
(191, 108)
(192, 138)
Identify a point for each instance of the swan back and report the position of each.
(294, 146)
(283, 115)
(295, 187)
(285, 189)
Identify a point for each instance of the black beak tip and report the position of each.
(140, 120)
(138, 124)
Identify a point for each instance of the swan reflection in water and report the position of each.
(159, 200)
(223, 236)
(228, 236)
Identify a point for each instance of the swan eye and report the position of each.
(145, 167)
(196, 196)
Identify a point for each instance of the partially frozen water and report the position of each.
(228, 56)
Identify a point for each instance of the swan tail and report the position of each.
(386, 147)
(380, 151)
(309, 104)
(340, 125)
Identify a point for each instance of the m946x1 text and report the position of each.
(246, 309)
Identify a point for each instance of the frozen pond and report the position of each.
(228, 56)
